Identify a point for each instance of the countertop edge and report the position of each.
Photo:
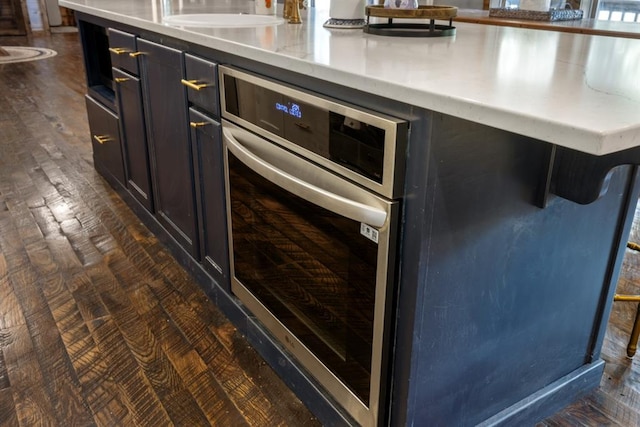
(560, 133)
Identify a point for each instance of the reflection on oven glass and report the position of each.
(268, 116)
(357, 146)
(308, 129)
(311, 268)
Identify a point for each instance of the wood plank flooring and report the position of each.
(99, 325)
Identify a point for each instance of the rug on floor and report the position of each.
(24, 53)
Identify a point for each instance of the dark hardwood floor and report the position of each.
(99, 325)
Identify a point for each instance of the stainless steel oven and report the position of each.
(312, 204)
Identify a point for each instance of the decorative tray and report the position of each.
(403, 29)
(423, 12)
(533, 15)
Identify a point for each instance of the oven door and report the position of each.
(312, 256)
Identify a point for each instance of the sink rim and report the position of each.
(222, 20)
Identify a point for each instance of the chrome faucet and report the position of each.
(292, 11)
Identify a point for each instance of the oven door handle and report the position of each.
(319, 186)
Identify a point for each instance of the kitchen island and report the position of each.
(519, 184)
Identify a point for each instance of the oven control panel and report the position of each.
(354, 142)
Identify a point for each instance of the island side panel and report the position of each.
(507, 295)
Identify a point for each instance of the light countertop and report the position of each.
(575, 90)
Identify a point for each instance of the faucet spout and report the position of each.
(292, 11)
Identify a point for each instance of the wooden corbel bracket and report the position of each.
(581, 177)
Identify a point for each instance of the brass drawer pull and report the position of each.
(119, 50)
(195, 84)
(101, 139)
(136, 54)
(121, 79)
(197, 125)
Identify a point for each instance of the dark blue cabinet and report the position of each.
(132, 123)
(105, 138)
(162, 70)
(209, 180)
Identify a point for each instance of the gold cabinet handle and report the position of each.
(194, 84)
(101, 139)
(119, 50)
(121, 79)
(136, 54)
(196, 125)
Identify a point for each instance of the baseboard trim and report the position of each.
(550, 399)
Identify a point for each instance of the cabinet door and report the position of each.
(134, 137)
(105, 138)
(207, 147)
(167, 126)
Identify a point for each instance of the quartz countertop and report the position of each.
(578, 91)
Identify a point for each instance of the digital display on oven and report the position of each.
(344, 140)
(292, 109)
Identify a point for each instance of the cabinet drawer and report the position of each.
(105, 139)
(202, 83)
(121, 45)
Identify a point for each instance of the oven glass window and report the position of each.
(310, 268)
